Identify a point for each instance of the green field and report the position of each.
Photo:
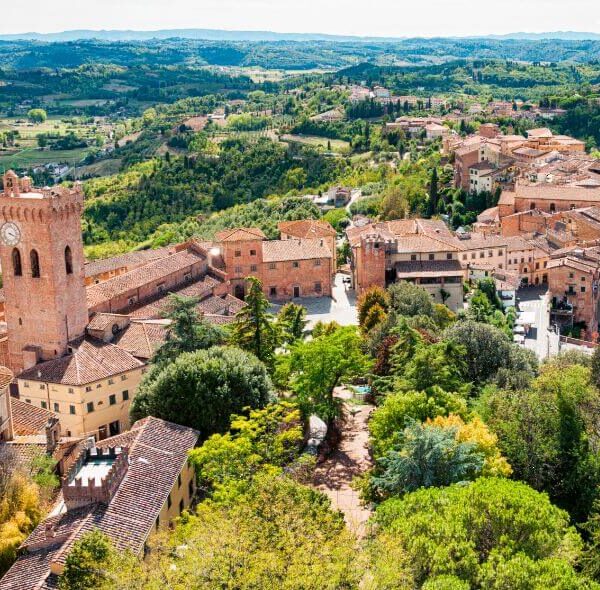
(31, 157)
(337, 145)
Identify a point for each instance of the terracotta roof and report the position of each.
(431, 268)
(158, 451)
(294, 249)
(553, 192)
(572, 262)
(28, 419)
(238, 234)
(307, 228)
(141, 339)
(139, 277)
(91, 360)
(101, 321)
(128, 260)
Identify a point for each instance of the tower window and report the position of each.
(16, 261)
(35, 264)
(68, 261)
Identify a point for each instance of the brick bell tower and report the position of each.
(41, 251)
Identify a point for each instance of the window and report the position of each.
(179, 480)
(272, 291)
(238, 253)
(169, 501)
(272, 266)
(583, 278)
(500, 265)
(500, 252)
(464, 256)
(318, 262)
(317, 287)
(56, 407)
(472, 255)
(571, 275)
(253, 268)
(413, 257)
(28, 401)
(42, 386)
(238, 270)
(25, 384)
(482, 254)
(252, 252)
(44, 405)
(112, 399)
(537, 266)
(125, 395)
(90, 407)
(68, 260)
(490, 254)
(583, 289)
(72, 409)
(111, 381)
(16, 262)
(123, 377)
(71, 390)
(295, 264)
(432, 257)
(35, 264)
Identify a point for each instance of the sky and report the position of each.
(392, 18)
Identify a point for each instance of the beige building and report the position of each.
(89, 390)
(128, 487)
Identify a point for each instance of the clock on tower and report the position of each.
(42, 268)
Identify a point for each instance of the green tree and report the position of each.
(547, 434)
(37, 115)
(371, 297)
(203, 389)
(87, 562)
(408, 299)
(475, 530)
(398, 410)
(316, 367)
(427, 456)
(255, 329)
(292, 321)
(188, 331)
(275, 534)
(432, 203)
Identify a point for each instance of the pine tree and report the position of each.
(255, 329)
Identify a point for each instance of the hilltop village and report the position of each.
(320, 329)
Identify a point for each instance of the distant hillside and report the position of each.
(222, 35)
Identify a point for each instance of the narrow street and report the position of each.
(352, 458)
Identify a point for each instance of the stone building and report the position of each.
(126, 486)
(420, 251)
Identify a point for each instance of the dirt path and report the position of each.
(334, 476)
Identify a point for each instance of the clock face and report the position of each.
(10, 234)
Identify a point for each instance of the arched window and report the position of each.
(532, 206)
(16, 261)
(68, 261)
(35, 264)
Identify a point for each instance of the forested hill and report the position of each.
(295, 55)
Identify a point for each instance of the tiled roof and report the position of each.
(553, 192)
(6, 376)
(91, 360)
(156, 309)
(101, 321)
(431, 268)
(158, 451)
(294, 249)
(238, 234)
(403, 228)
(307, 228)
(139, 277)
(141, 339)
(129, 260)
(28, 419)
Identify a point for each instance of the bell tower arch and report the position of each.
(41, 252)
